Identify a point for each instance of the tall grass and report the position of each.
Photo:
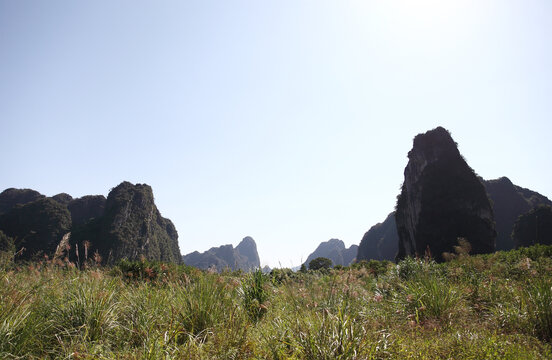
(474, 307)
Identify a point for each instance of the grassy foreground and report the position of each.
(496, 306)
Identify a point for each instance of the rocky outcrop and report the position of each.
(509, 201)
(381, 242)
(535, 227)
(132, 227)
(37, 227)
(243, 257)
(63, 198)
(125, 225)
(86, 208)
(248, 249)
(441, 200)
(11, 197)
(334, 249)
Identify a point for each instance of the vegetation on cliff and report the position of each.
(535, 227)
(36, 227)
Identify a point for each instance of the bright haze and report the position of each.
(288, 121)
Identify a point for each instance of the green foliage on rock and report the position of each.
(132, 227)
(37, 227)
(11, 197)
(535, 227)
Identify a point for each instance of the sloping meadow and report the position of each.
(496, 306)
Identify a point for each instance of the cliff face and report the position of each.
(381, 242)
(509, 202)
(243, 257)
(441, 200)
(37, 226)
(132, 227)
(334, 249)
(247, 248)
(86, 208)
(127, 224)
(63, 198)
(11, 197)
(535, 227)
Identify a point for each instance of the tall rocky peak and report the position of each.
(441, 200)
(248, 248)
(334, 249)
(509, 202)
(243, 257)
(11, 197)
(132, 226)
(380, 242)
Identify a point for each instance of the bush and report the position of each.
(320, 263)
(255, 295)
(539, 308)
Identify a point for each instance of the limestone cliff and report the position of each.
(441, 200)
(381, 242)
(509, 201)
(535, 227)
(132, 226)
(11, 197)
(37, 227)
(86, 208)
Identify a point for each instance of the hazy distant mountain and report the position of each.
(441, 200)
(243, 257)
(334, 249)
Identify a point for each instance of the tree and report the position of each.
(320, 263)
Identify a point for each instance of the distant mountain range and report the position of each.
(243, 257)
(442, 199)
(335, 250)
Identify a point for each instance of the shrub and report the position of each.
(539, 308)
(255, 295)
(320, 263)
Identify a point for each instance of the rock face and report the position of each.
(37, 226)
(126, 224)
(535, 227)
(86, 208)
(381, 242)
(11, 197)
(132, 227)
(334, 249)
(441, 200)
(248, 249)
(243, 257)
(509, 202)
(62, 198)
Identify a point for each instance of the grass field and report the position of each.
(496, 306)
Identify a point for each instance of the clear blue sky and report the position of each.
(288, 121)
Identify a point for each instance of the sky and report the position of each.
(288, 121)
